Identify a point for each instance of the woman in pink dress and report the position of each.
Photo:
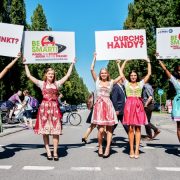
(134, 114)
(48, 120)
(103, 113)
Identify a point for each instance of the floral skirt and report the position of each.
(134, 113)
(48, 119)
(103, 112)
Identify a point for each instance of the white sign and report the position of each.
(10, 39)
(168, 43)
(121, 44)
(49, 47)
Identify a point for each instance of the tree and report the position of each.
(39, 22)
(149, 15)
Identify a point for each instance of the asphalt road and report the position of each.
(22, 156)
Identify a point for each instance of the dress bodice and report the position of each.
(102, 90)
(49, 93)
(132, 91)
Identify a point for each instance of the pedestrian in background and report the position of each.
(148, 102)
(27, 115)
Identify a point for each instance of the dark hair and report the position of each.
(108, 77)
(133, 71)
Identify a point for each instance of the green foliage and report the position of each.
(74, 90)
(39, 22)
(149, 15)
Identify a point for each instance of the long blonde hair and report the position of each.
(108, 77)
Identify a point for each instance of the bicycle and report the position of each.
(74, 118)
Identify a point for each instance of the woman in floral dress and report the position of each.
(48, 120)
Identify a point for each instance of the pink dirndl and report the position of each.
(49, 116)
(134, 113)
(103, 111)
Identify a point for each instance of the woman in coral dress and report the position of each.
(103, 113)
(48, 120)
(134, 113)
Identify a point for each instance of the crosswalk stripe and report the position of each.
(85, 168)
(41, 168)
(128, 169)
(5, 167)
(168, 168)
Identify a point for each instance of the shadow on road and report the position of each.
(169, 148)
(11, 149)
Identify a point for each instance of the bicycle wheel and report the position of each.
(74, 119)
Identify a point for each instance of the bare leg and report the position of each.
(46, 143)
(178, 130)
(55, 144)
(131, 140)
(25, 121)
(89, 130)
(138, 139)
(109, 139)
(100, 139)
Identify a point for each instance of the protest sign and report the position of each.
(121, 44)
(49, 47)
(168, 43)
(10, 39)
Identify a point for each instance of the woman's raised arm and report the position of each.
(149, 71)
(9, 66)
(92, 68)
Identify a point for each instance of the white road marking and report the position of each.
(5, 167)
(148, 147)
(128, 169)
(41, 168)
(85, 168)
(168, 168)
(88, 147)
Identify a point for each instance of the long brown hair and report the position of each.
(108, 77)
(46, 71)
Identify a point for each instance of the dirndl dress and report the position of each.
(49, 116)
(176, 101)
(103, 111)
(134, 113)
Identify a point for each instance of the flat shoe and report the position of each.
(84, 140)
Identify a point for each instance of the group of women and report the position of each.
(49, 117)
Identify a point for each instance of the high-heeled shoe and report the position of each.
(106, 156)
(84, 140)
(49, 157)
(56, 158)
(131, 155)
(100, 154)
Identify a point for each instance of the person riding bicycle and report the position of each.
(11, 102)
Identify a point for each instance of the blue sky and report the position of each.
(84, 17)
